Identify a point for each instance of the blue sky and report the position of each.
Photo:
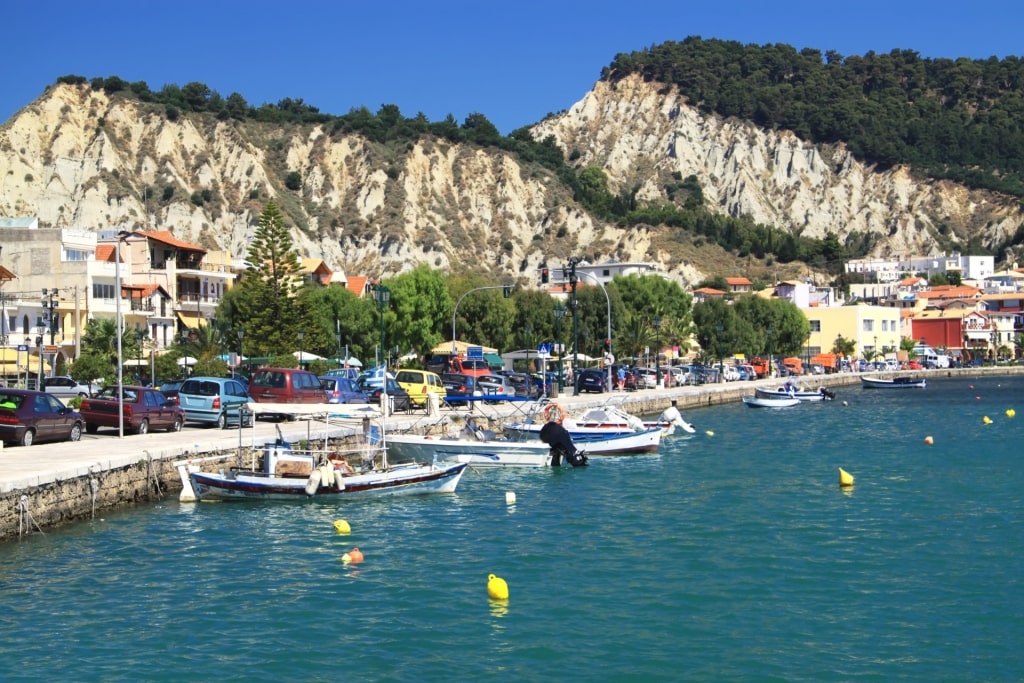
(513, 61)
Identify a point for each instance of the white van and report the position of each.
(930, 358)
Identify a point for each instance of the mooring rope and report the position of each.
(23, 515)
(151, 477)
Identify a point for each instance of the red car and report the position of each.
(144, 409)
(27, 417)
(914, 365)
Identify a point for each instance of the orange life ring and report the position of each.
(554, 408)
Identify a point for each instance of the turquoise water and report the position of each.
(734, 556)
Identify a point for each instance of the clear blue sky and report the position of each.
(513, 61)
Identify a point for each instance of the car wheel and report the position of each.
(76, 432)
(222, 421)
(143, 427)
(82, 394)
(176, 427)
(91, 428)
(28, 437)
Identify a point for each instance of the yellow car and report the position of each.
(419, 383)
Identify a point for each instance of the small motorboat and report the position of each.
(794, 391)
(781, 401)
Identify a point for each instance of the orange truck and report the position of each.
(794, 365)
(760, 367)
(829, 361)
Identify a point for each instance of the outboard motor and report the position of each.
(557, 437)
(827, 393)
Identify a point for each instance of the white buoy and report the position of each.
(313, 483)
(510, 497)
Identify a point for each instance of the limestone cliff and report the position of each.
(80, 158)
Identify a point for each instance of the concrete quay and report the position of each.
(47, 485)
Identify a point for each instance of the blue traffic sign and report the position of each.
(22, 347)
(543, 350)
(474, 352)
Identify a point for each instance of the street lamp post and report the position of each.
(383, 295)
(138, 355)
(559, 314)
(657, 352)
(50, 302)
(241, 335)
(456, 309)
(118, 323)
(301, 336)
(609, 302)
(573, 305)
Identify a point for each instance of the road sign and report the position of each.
(474, 352)
(22, 347)
(543, 350)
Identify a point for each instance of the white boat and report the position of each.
(480, 447)
(793, 391)
(893, 382)
(606, 420)
(771, 402)
(323, 474)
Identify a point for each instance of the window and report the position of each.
(869, 325)
(815, 326)
(102, 291)
(76, 255)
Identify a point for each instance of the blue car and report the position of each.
(342, 390)
(213, 400)
(593, 380)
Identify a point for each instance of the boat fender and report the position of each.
(327, 475)
(554, 413)
(313, 483)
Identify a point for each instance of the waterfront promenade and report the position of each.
(51, 484)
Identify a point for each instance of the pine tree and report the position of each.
(269, 286)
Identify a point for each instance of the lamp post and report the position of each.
(301, 335)
(39, 350)
(118, 322)
(573, 305)
(609, 302)
(559, 314)
(456, 309)
(383, 295)
(50, 305)
(138, 355)
(657, 352)
(241, 335)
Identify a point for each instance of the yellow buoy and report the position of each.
(709, 433)
(929, 440)
(1010, 412)
(342, 527)
(845, 478)
(346, 558)
(497, 588)
(987, 420)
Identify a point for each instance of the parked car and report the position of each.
(64, 386)
(458, 386)
(27, 417)
(495, 385)
(170, 389)
(646, 378)
(286, 385)
(523, 385)
(592, 380)
(342, 390)
(400, 399)
(144, 409)
(419, 383)
(213, 401)
(348, 373)
(731, 374)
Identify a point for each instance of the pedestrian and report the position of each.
(622, 378)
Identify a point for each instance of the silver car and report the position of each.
(63, 386)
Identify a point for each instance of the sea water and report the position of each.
(732, 554)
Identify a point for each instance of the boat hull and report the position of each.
(486, 453)
(646, 441)
(807, 396)
(774, 402)
(399, 480)
(894, 383)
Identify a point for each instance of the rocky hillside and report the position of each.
(79, 158)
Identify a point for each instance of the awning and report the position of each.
(494, 360)
(192, 322)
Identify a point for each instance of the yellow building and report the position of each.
(874, 329)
